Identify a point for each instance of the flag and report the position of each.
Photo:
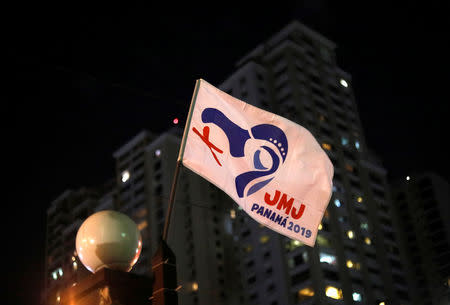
(273, 168)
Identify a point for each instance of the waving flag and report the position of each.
(271, 167)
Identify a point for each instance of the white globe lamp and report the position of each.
(108, 239)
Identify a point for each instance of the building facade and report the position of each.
(423, 205)
(200, 232)
(64, 217)
(356, 259)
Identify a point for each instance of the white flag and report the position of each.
(272, 167)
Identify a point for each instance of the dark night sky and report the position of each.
(81, 81)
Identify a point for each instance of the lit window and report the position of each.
(305, 256)
(322, 241)
(357, 145)
(357, 297)
(350, 234)
(354, 265)
(349, 167)
(263, 239)
(382, 303)
(54, 275)
(232, 214)
(367, 240)
(326, 146)
(158, 152)
(73, 258)
(327, 258)
(75, 266)
(359, 199)
(305, 293)
(142, 225)
(141, 213)
(125, 176)
(293, 244)
(194, 286)
(343, 83)
(337, 202)
(408, 178)
(60, 272)
(344, 141)
(349, 264)
(333, 292)
(320, 226)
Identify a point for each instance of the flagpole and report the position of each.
(179, 163)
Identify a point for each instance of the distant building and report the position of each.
(356, 257)
(223, 256)
(423, 205)
(200, 232)
(64, 216)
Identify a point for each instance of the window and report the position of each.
(304, 294)
(356, 296)
(292, 244)
(323, 241)
(337, 202)
(248, 249)
(125, 176)
(252, 279)
(327, 258)
(350, 234)
(343, 83)
(353, 265)
(333, 292)
(264, 239)
(300, 277)
(326, 146)
(349, 167)
(142, 225)
(331, 275)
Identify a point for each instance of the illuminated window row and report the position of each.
(344, 142)
(57, 273)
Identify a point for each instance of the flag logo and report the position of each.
(274, 137)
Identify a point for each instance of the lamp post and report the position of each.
(108, 244)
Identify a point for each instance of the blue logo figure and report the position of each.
(237, 137)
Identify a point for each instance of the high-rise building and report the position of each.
(64, 216)
(200, 231)
(223, 256)
(422, 203)
(356, 257)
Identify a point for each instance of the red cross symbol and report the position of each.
(205, 138)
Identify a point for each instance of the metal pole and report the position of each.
(171, 199)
